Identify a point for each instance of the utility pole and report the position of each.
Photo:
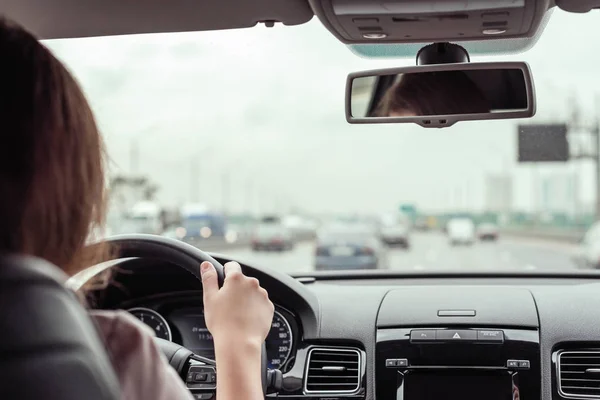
(249, 198)
(225, 193)
(193, 180)
(594, 155)
(458, 199)
(134, 156)
(596, 133)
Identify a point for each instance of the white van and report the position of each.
(461, 231)
(143, 217)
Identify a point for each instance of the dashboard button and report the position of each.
(201, 377)
(425, 335)
(391, 363)
(524, 364)
(490, 336)
(402, 362)
(365, 20)
(203, 396)
(456, 335)
(512, 363)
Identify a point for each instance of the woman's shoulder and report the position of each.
(143, 371)
(119, 322)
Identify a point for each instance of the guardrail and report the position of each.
(549, 233)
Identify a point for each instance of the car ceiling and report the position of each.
(54, 19)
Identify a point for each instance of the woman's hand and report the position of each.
(239, 317)
(240, 310)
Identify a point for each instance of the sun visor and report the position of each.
(426, 21)
(52, 19)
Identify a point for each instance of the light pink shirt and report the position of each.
(143, 371)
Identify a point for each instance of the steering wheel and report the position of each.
(199, 373)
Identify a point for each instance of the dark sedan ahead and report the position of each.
(349, 247)
(272, 237)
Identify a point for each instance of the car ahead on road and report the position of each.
(421, 224)
(345, 247)
(461, 231)
(272, 237)
(397, 234)
(487, 231)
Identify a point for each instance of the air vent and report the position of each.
(579, 374)
(333, 370)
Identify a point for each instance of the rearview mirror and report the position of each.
(441, 95)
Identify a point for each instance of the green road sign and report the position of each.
(408, 209)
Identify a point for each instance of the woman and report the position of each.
(53, 192)
(432, 93)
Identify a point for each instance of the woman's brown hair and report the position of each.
(52, 184)
(433, 93)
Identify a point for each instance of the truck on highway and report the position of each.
(461, 231)
(143, 217)
(200, 222)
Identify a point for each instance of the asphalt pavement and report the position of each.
(431, 251)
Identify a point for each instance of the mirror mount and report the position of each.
(442, 53)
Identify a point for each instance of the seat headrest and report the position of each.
(49, 346)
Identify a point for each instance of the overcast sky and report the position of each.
(262, 111)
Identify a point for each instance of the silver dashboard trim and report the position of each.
(333, 392)
(289, 328)
(157, 315)
(559, 354)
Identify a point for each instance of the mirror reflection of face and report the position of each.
(402, 113)
(431, 93)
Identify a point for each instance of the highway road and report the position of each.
(431, 251)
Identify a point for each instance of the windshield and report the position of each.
(345, 232)
(268, 230)
(141, 218)
(196, 223)
(250, 123)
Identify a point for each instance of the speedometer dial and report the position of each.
(154, 320)
(279, 342)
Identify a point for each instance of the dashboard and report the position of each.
(499, 337)
(180, 319)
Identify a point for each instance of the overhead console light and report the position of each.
(494, 31)
(419, 21)
(374, 35)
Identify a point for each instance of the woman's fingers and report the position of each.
(233, 271)
(210, 283)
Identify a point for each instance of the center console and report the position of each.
(457, 363)
(462, 348)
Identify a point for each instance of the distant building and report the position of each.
(559, 193)
(499, 193)
(124, 193)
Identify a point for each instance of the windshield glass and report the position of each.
(250, 124)
(345, 231)
(267, 230)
